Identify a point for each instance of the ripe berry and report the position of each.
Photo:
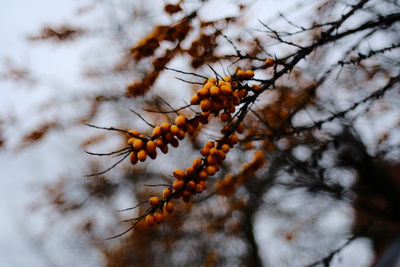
(153, 201)
(150, 220)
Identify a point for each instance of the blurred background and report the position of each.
(66, 63)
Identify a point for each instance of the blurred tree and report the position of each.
(278, 130)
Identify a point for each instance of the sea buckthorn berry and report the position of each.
(195, 100)
(203, 120)
(179, 174)
(157, 131)
(225, 116)
(178, 184)
(169, 207)
(164, 149)
(190, 185)
(202, 93)
(174, 142)
(234, 139)
(174, 129)
(150, 147)
(249, 74)
(208, 86)
(138, 144)
(256, 87)
(240, 128)
(214, 91)
(165, 127)
(150, 220)
(205, 104)
(226, 89)
(269, 62)
(209, 144)
(153, 201)
(181, 134)
(199, 188)
(227, 78)
(215, 106)
(190, 129)
(203, 184)
(213, 151)
(203, 175)
(142, 155)
(197, 163)
(225, 129)
(133, 158)
(205, 152)
(167, 192)
(168, 137)
(158, 216)
(205, 114)
(231, 109)
(180, 121)
(211, 170)
(240, 74)
(225, 148)
(189, 171)
(186, 193)
(131, 141)
(236, 100)
(133, 132)
(212, 80)
(221, 154)
(159, 142)
(152, 155)
(242, 93)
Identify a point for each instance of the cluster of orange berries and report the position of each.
(227, 186)
(216, 96)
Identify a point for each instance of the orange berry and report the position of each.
(225, 148)
(205, 104)
(207, 86)
(179, 174)
(202, 93)
(211, 170)
(189, 171)
(256, 87)
(241, 74)
(226, 89)
(142, 155)
(199, 188)
(203, 175)
(167, 192)
(203, 184)
(174, 130)
(190, 185)
(131, 140)
(225, 116)
(249, 74)
(174, 142)
(242, 93)
(152, 154)
(133, 158)
(209, 144)
(158, 216)
(190, 129)
(197, 163)
(181, 134)
(221, 155)
(159, 142)
(213, 151)
(153, 201)
(138, 144)
(178, 184)
(233, 139)
(205, 152)
(195, 100)
(150, 147)
(269, 62)
(180, 121)
(205, 114)
(168, 137)
(212, 80)
(240, 128)
(227, 78)
(150, 220)
(165, 127)
(214, 91)
(133, 133)
(164, 149)
(169, 206)
(212, 160)
(157, 131)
